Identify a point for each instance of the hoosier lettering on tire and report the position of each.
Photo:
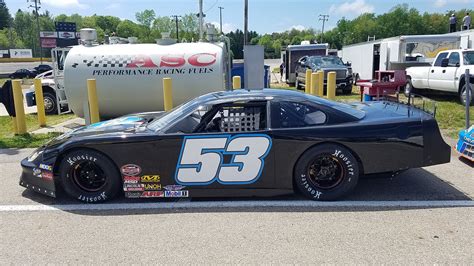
(326, 172)
(89, 176)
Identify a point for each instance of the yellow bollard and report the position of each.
(14, 127)
(167, 94)
(307, 81)
(236, 82)
(19, 107)
(331, 85)
(93, 101)
(314, 83)
(40, 102)
(321, 84)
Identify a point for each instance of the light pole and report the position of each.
(220, 16)
(37, 7)
(324, 18)
(246, 21)
(176, 17)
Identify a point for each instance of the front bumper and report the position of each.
(37, 179)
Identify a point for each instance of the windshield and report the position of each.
(468, 58)
(343, 107)
(176, 113)
(326, 61)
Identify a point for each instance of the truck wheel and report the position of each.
(463, 94)
(297, 84)
(347, 90)
(326, 172)
(50, 103)
(89, 176)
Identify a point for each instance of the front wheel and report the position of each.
(89, 176)
(463, 95)
(297, 84)
(50, 103)
(347, 90)
(409, 89)
(326, 172)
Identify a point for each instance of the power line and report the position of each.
(324, 18)
(213, 5)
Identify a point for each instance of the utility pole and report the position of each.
(220, 16)
(176, 17)
(246, 21)
(35, 4)
(324, 18)
(200, 15)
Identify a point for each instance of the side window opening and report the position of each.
(440, 58)
(296, 114)
(454, 59)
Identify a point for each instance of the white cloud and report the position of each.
(113, 6)
(356, 7)
(226, 27)
(297, 27)
(443, 3)
(64, 3)
(440, 3)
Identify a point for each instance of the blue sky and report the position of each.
(265, 16)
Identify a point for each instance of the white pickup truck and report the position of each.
(445, 74)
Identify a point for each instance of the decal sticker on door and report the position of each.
(202, 159)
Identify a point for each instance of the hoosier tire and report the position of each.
(89, 176)
(326, 172)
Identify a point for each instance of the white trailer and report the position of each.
(397, 53)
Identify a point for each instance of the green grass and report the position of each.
(9, 140)
(2, 81)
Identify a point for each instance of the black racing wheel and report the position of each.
(326, 172)
(89, 176)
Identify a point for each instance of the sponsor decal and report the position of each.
(152, 194)
(350, 167)
(130, 170)
(152, 186)
(102, 196)
(46, 167)
(73, 160)
(47, 175)
(133, 194)
(37, 172)
(133, 187)
(151, 179)
(174, 187)
(314, 193)
(131, 179)
(176, 194)
(200, 161)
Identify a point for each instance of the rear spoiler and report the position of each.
(425, 104)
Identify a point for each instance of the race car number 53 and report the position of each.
(201, 161)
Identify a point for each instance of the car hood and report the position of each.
(124, 124)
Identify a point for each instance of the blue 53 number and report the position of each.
(201, 159)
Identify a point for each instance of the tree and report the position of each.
(146, 17)
(127, 28)
(5, 18)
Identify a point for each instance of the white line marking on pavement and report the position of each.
(234, 204)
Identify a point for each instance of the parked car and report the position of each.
(327, 64)
(445, 74)
(43, 68)
(23, 73)
(47, 74)
(237, 143)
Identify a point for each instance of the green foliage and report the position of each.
(146, 17)
(5, 17)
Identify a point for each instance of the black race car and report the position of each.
(23, 73)
(240, 143)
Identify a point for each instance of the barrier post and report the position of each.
(331, 90)
(40, 103)
(14, 127)
(93, 102)
(314, 83)
(19, 107)
(467, 76)
(320, 91)
(236, 82)
(168, 93)
(308, 81)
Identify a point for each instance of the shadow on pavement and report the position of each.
(9, 151)
(412, 185)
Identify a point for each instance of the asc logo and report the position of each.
(201, 161)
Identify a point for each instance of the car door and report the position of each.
(448, 74)
(435, 75)
(224, 147)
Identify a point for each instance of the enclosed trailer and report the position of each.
(396, 53)
(294, 52)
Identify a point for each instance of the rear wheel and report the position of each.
(326, 172)
(463, 95)
(89, 176)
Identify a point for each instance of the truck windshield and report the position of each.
(468, 58)
(326, 61)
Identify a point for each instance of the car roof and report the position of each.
(263, 94)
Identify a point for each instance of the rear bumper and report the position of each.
(435, 151)
(36, 179)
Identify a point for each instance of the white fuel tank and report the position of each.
(129, 76)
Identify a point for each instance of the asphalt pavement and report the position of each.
(422, 216)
